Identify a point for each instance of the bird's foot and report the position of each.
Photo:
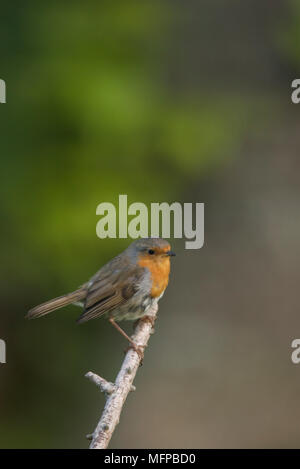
(139, 349)
(150, 319)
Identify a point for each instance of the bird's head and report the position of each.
(152, 249)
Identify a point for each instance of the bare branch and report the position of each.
(117, 393)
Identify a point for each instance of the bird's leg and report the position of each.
(133, 345)
(113, 322)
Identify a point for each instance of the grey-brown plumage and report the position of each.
(121, 289)
(56, 303)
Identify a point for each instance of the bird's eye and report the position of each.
(150, 251)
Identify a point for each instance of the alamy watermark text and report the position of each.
(2, 351)
(2, 91)
(188, 221)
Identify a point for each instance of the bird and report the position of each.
(126, 288)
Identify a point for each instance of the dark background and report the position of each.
(163, 101)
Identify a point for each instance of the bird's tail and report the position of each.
(56, 303)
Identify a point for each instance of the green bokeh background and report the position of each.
(152, 99)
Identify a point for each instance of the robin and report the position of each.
(127, 287)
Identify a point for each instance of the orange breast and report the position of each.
(160, 270)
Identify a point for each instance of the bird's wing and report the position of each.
(111, 287)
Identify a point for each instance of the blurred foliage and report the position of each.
(289, 34)
(89, 117)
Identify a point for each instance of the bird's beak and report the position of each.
(170, 253)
